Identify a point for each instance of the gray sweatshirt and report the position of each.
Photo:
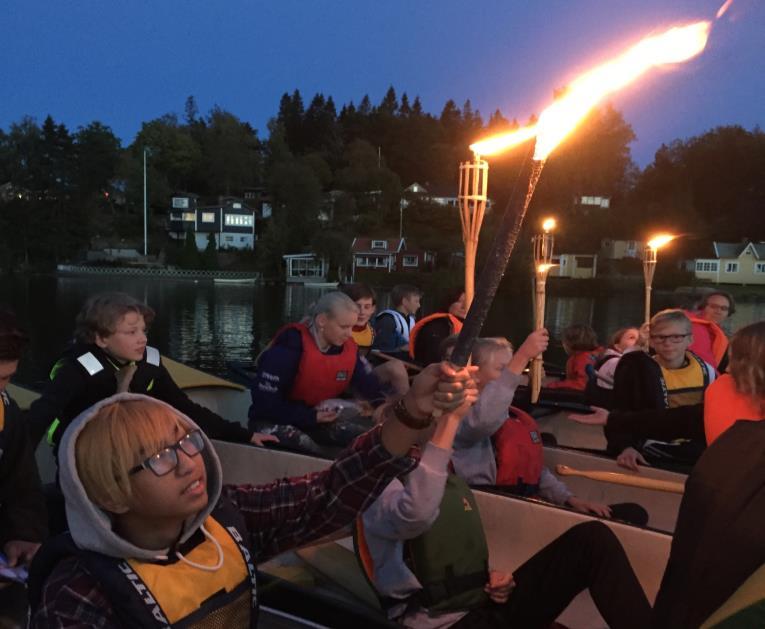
(474, 458)
(403, 511)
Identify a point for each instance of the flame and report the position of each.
(544, 268)
(721, 11)
(504, 141)
(548, 224)
(675, 45)
(660, 240)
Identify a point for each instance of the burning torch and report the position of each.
(543, 254)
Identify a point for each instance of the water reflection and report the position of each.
(207, 324)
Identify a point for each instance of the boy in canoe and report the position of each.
(156, 539)
(393, 325)
(658, 398)
(110, 355)
(500, 446)
(422, 545)
(23, 518)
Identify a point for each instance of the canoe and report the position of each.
(516, 528)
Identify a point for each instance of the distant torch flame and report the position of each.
(660, 240)
(548, 225)
(675, 45)
(543, 268)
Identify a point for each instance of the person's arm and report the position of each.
(490, 410)
(683, 422)
(214, 425)
(68, 382)
(23, 517)
(277, 369)
(552, 489)
(365, 382)
(292, 512)
(72, 599)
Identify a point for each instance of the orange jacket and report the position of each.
(576, 370)
(724, 405)
(456, 326)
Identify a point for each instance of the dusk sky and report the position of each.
(127, 62)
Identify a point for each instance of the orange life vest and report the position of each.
(724, 405)
(321, 376)
(455, 323)
(519, 453)
(718, 342)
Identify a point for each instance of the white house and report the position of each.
(574, 265)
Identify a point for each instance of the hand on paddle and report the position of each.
(261, 438)
(598, 417)
(586, 506)
(499, 587)
(630, 458)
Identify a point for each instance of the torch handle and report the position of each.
(539, 323)
(494, 268)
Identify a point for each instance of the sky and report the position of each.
(124, 63)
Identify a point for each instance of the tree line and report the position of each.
(332, 174)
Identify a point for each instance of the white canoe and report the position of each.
(516, 529)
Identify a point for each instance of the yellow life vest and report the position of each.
(685, 386)
(364, 338)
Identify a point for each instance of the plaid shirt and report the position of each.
(281, 515)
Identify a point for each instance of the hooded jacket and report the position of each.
(274, 517)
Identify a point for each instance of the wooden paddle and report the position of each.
(377, 353)
(623, 479)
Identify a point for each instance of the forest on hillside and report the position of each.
(63, 188)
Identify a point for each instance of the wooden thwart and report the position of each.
(623, 479)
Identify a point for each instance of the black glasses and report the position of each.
(166, 460)
(672, 338)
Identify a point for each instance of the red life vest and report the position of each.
(455, 323)
(321, 376)
(518, 449)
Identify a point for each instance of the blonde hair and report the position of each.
(747, 362)
(484, 348)
(117, 438)
(671, 315)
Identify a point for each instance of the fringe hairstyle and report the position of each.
(101, 314)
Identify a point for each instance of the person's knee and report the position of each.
(595, 536)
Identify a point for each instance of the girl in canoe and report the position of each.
(307, 366)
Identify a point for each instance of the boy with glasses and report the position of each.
(660, 396)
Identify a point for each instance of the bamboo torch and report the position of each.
(474, 181)
(675, 45)
(543, 254)
(649, 267)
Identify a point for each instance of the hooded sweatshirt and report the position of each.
(278, 516)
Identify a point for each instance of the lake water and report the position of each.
(206, 325)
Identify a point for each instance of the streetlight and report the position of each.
(474, 181)
(649, 266)
(543, 253)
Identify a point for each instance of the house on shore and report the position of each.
(389, 254)
(741, 263)
(231, 222)
(575, 265)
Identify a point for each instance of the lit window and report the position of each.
(239, 220)
(190, 216)
(208, 217)
(237, 206)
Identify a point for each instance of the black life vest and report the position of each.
(172, 594)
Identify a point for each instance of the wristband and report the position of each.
(401, 413)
